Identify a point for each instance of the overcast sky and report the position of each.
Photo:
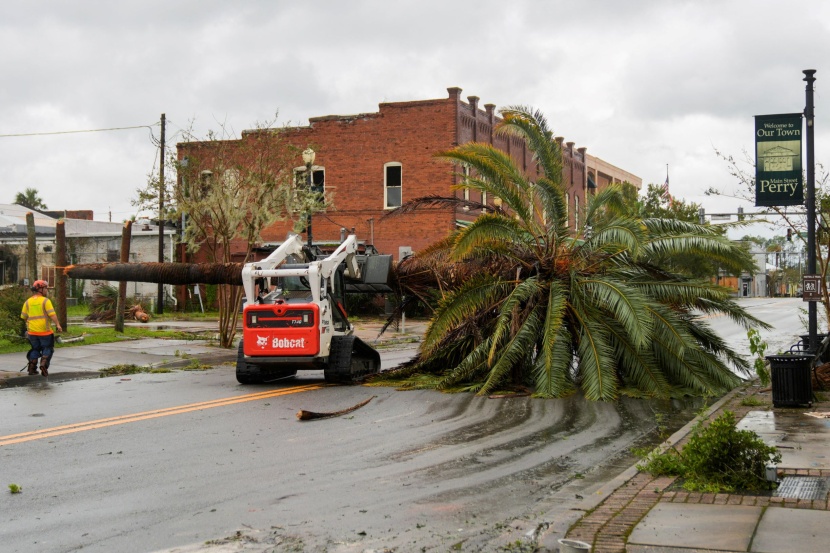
(642, 84)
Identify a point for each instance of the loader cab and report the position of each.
(297, 289)
(292, 288)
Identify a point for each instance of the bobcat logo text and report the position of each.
(281, 343)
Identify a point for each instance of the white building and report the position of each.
(86, 242)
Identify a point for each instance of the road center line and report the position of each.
(146, 415)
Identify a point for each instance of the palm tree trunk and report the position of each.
(165, 273)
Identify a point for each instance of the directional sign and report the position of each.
(811, 287)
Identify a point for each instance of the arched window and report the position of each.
(392, 184)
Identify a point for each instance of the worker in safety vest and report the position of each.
(39, 314)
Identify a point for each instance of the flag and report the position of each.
(666, 193)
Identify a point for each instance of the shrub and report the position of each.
(729, 458)
(718, 457)
(11, 302)
(757, 346)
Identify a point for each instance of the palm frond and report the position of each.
(637, 366)
(475, 361)
(596, 366)
(478, 293)
(516, 351)
(488, 230)
(520, 295)
(556, 351)
(621, 303)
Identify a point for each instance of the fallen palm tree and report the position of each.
(164, 273)
(529, 298)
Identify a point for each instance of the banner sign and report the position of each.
(778, 179)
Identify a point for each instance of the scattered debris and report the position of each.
(819, 415)
(821, 377)
(514, 394)
(311, 415)
(137, 312)
(14, 488)
(516, 391)
(70, 339)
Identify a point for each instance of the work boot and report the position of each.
(44, 366)
(32, 366)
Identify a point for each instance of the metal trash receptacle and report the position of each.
(792, 384)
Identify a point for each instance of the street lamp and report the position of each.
(308, 159)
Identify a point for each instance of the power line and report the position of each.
(80, 131)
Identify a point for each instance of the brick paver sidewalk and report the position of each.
(608, 526)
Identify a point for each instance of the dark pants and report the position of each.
(42, 346)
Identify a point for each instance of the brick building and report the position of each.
(370, 163)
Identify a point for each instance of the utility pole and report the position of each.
(31, 252)
(160, 302)
(809, 77)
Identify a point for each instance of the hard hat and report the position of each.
(39, 285)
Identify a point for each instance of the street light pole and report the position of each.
(812, 318)
(308, 158)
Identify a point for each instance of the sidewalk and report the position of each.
(645, 515)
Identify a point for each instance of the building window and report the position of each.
(318, 178)
(205, 181)
(567, 209)
(392, 180)
(466, 172)
(576, 212)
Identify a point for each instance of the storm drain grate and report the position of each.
(802, 487)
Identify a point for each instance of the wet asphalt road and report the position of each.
(410, 470)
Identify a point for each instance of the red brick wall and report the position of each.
(354, 149)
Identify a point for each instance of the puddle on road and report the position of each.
(40, 383)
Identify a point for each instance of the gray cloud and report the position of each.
(640, 83)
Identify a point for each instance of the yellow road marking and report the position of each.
(135, 417)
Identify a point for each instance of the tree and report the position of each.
(229, 191)
(656, 203)
(30, 198)
(784, 218)
(787, 258)
(525, 300)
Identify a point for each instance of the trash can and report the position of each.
(792, 384)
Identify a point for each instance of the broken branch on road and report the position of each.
(304, 415)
